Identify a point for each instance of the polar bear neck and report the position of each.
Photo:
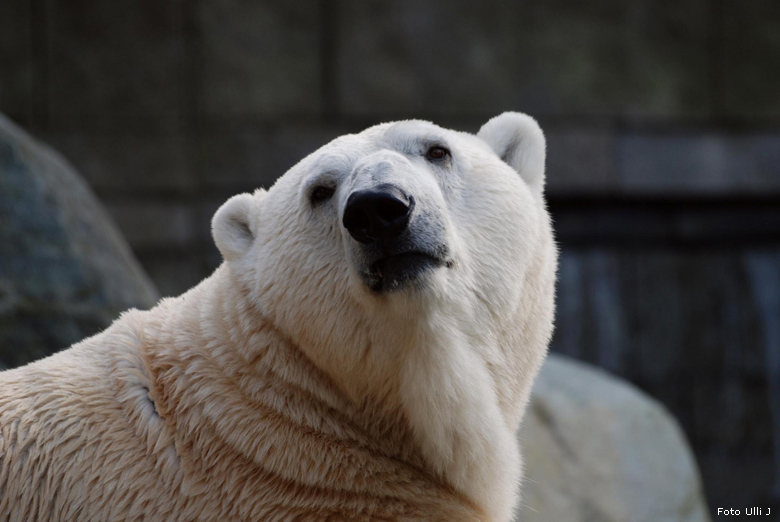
(419, 368)
(236, 390)
(449, 398)
(419, 357)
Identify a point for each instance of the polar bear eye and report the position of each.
(320, 194)
(437, 153)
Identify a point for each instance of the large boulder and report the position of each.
(598, 450)
(65, 271)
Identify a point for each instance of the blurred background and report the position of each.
(663, 126)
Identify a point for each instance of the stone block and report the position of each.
(16, 60)
(248, 158)
(612, 58)
(580, 161)
(751, 52)
(116, 65)
(174, 272)
(151, 225)
(706, 163)
(259, 60)
(129, 163)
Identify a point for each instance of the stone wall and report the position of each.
(663, 120)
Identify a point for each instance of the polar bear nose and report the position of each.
(378, 213)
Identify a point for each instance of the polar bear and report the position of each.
(365, 351)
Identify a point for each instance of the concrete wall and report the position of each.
(663, 120)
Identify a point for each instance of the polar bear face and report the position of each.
(400, 201)
(383, 226)
(415, 266)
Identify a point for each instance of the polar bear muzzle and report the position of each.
(378, 214)
(393, 253)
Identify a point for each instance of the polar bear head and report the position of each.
(415, 266)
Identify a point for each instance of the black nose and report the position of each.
(378, 213)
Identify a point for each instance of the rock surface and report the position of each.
(598, 450)
(65, 271)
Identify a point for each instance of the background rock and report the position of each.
(598, 450)
(65, 271)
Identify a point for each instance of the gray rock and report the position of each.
(605, 58)
(598, 450)
(65, 271)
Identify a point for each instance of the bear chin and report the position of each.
(400, 271)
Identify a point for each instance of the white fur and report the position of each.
(285, 386)
(518, 140)
(232, 226)
(459, 358)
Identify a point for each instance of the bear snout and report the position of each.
(392, 247)
(377, 214)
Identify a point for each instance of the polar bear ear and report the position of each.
(234, 225)
(519, 141)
